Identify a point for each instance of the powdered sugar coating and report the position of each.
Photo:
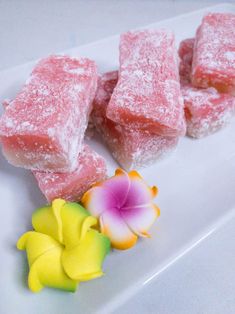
(132, 149)
(206, 110)
(186, 57)
(91, 168)
(147, 95)
(6, 103)
(44, 126)
(214, 53)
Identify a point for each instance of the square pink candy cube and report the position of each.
(43, 127)
(214, 53)
(132, 149)
(186, 58)
(91, 168)
(206, 110)
(147, 95)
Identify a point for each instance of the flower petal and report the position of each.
(36, 244)
(47, 271)
(56, 206)
(47, 220)
(140, 219)
(113, 225)
(124, 206)
(96, 200)
(76, 222)
(44, 258)
(108, 194)
(139, 192)
(118, 186)
(84, 261)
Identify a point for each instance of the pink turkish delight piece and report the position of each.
(43, 128)
(147, 95)
(91, 168)
(206, 110)
(6, 103)
(186, 57)
(132, 149)
(214, 53)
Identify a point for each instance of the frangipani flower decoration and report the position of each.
(124, 207)
(64, 249)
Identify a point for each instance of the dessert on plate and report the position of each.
(147, 95)
(206, 109)
(214, 53)
(132, 148)
(91, 168)
(44, 126)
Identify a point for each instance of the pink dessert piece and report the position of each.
(72, 185)
(132, 149)
(186, 57)
(43, 128)
(206, 110)
(147, 95)
(6, 103)
(214, 53)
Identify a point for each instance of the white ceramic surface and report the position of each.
(196, 196)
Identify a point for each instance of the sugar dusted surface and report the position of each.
(71, 186)
(147, 95)
(214, 53)
(206, 110)
(132, 149)
(44, 126)
(186, 57)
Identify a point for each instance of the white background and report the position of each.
(203, 281)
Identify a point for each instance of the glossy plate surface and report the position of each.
(196, 195)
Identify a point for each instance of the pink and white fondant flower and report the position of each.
(124, 206)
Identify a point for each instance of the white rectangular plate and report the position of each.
(196, 196)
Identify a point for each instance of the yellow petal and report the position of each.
(47, 220)
(76, 221)
(87, 223)
(36, 244)
(44, 258)
(84, 262)
(48, 271)
(57, 206)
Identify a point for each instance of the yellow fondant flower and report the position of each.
(64, 249)
(124, 206)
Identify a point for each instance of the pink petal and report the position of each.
(97, 200)
(118, 186)
(140, 218)
(139, 192)
(113, 225)
(109, 194)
